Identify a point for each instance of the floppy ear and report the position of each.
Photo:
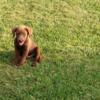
(29, 30)
(14, 31)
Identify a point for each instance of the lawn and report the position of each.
(68, 34)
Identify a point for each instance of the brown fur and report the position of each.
(24, 46)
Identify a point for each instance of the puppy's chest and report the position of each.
(21, 50)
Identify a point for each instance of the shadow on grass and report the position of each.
(6, 57)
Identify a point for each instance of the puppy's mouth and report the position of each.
(20, 42)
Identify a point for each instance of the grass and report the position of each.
(68, 33)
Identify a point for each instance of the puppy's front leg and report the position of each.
(23, 57)
(16, 58)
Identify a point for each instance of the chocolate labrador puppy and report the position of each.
(24, 46)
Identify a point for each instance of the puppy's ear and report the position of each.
(29, 30)
(14, 31)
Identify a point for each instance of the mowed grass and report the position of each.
(68, 33)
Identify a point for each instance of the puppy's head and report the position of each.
(21, 33)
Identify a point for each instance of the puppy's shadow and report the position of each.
(6, 57)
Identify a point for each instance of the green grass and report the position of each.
(68, 33)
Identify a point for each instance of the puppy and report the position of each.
(24, 46)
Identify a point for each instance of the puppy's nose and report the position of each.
(19, 40)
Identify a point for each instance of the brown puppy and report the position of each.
(24, 47)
